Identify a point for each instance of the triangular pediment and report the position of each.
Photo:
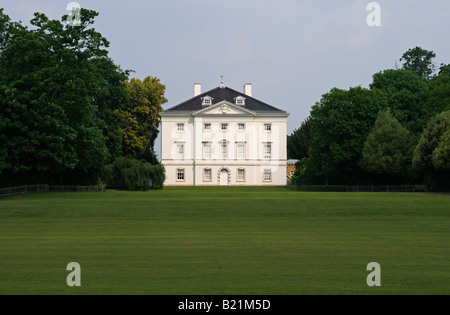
(224, 108)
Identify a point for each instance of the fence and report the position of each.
(400, 188)
(11, 191)
(343, 188)
(318, 188)
(76, 188)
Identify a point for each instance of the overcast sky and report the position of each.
(293, 51)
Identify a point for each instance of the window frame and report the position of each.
(224, 154)
(182, 127)
(205, 145)
(207, 101)
(181, 171)
(267, 154)
(244, 175)
(205, 170)
(267, 175)
(180, 156)
(267, 129)
(240, 101)
(238, 145)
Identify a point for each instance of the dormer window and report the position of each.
(240, 100)
(207, 100)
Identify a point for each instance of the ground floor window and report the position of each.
(180, 174)
(241, 175)
(267, 175)
(207, 175)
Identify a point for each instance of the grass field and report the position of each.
(225, 241)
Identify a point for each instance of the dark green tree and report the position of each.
(441, 155)
(420, 61)
(438, 98)
(431, 154)
(387, 149)
(298, 142)
(444, 69)
(341, 122)
(57, 87)
(406, 95)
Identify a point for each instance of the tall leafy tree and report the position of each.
(139, 117)
(444, 69)
(431, 154)
(52, 80)
(111, 93)
(387, 148)
(298, 142)
(341, 121)
(438, 98)
(420, 61)
(406, 94)
(441, 155)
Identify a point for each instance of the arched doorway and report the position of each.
(224, 177)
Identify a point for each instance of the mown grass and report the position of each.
(251, 240)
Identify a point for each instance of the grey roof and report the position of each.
(223, 94)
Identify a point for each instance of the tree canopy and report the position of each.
(59, 91)
(393, 132)
(405, 92)
(386, 149)
(139, 117)
(420, 61)
(341, 122)
(299, 141)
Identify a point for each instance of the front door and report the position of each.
(224, 178)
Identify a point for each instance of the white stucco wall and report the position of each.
(194, 136)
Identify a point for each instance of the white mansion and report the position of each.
(224, 137)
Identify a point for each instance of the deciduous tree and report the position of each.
(56, 88)
(387, 146)
(298, 142)
(420, 61)
(341, 121)
(405, 93)
(139, 117)
(431, 154)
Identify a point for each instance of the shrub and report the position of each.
(134, 174)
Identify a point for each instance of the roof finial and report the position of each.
(222, 84)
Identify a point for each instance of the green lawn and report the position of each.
(225, 241)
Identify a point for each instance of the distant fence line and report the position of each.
(18, 190)
(399, 188)
(342, 188)
(11, 191)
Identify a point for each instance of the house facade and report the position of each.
(224, 137)
(290, 170)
